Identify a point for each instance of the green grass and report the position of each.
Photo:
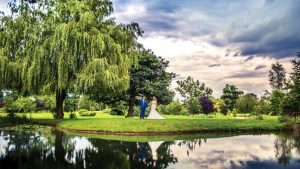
(108, 123)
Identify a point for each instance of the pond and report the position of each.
(47, 148)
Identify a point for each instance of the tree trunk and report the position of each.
(132, 93)
(60, 97)
(59, 150)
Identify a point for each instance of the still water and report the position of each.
(47, 148)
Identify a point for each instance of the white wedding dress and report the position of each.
(153, 113)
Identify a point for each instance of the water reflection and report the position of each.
(48, 148)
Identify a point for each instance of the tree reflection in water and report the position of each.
(47, 148)
(283, 146)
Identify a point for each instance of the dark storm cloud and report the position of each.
(258, 67)
(279, 37)
(214, 65)
(257, 28)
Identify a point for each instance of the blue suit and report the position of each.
(143, 107)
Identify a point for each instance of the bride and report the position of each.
(153, 113)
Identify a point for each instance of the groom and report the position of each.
(143, 107)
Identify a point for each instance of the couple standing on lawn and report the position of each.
(153, 105)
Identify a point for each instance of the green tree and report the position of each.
(262, 107)
(220, 106)
(230, 95)
(277, 76)
(86, 103)
(246, 104)
(150, 78)
(174, 108)
(295, 82)
(193, 106)
(190, 88)
(58, 45)
(275, 101)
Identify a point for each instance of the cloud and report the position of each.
(249, 58)
(277, 36)
(214, 65)
(258, 67)
(247, 75)
(238, 37)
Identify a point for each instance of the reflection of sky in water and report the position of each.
(3, 147)
(245, 151)
(80, 144)
(232, 152)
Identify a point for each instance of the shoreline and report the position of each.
(99, 132)
(296, 127)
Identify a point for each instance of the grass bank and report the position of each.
(108, 124)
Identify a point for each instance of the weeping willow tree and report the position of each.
(58, 45)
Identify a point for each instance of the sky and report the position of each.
(217, 41)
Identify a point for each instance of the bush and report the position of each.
(106, 110)
(119, 108)
(246, 104)
(46, 102)
(14, 104)
(86, 103)
(207, 105)
(116, 111)
(72, 115)
(71, 103)
(262, 107)
(174, 108)
(25, 104)
(84, 112)
(223, 109)
(275, 102)
(288, 104)
(259, 117)
(283, 119)
(193, 106)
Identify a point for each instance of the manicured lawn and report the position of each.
(169, 125)
(107, 123)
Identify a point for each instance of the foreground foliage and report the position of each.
(57, 46)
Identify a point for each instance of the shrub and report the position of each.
(25, 104)
(246, 104)
(288, 104)
(14, 103)
(84, 112)
(10, 103)
(275, 101)
(72, 115)
(193, 106)
(262, 107)
(223, 109)
(119, 108)
(71, 103)
(116, 111)
(86, 103)
(106, 110)
(174, 108)
(283, 119)
(207, 105)
(46, 102)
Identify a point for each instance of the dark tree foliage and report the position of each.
(150, 78)
(295, 77)
(190, 88)
(60, 45)
(230, 95)
(207, 105)
(277, 76)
